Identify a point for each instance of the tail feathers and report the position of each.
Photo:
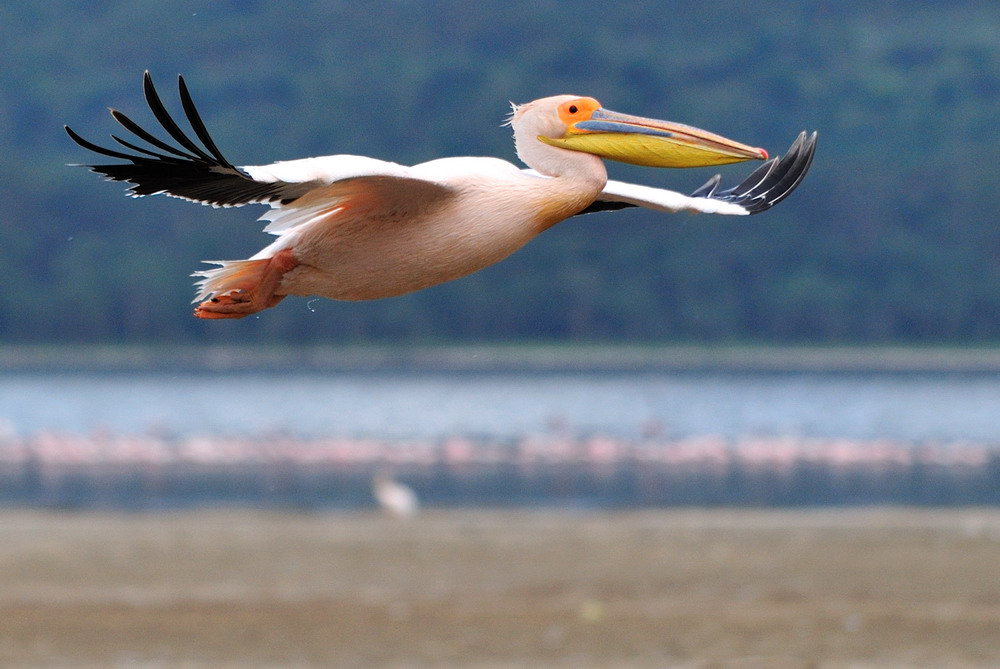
(230, 276)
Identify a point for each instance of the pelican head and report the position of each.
(580, 124)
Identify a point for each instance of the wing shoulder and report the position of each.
(383, 197)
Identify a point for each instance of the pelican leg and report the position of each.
(254, 292)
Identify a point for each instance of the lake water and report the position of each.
(909, 406)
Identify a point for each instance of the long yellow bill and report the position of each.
(651, 142)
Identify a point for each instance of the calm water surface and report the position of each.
(903, 406)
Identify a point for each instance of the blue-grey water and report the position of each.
(864, 406)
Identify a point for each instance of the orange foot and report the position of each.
(254, 292)
(232, 305)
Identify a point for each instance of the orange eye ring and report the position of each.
(580, 109)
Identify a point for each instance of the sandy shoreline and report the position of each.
(683, 588)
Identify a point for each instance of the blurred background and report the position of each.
(642, 441)
(864, 309)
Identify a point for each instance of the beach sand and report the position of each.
(852, 588)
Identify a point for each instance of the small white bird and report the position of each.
(395, 498)
(357, 228)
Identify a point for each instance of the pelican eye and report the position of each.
(577, 109)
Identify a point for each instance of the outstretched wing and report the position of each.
(766, 186)
(202, 174)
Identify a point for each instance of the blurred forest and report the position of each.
(893, 237)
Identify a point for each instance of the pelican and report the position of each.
(356, 228)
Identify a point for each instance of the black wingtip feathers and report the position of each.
(770, 183)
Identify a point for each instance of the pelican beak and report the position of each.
(650, 142)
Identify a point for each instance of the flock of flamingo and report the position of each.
(150, 450)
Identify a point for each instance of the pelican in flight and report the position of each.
(355, 228)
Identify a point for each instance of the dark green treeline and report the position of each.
(893, 237)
